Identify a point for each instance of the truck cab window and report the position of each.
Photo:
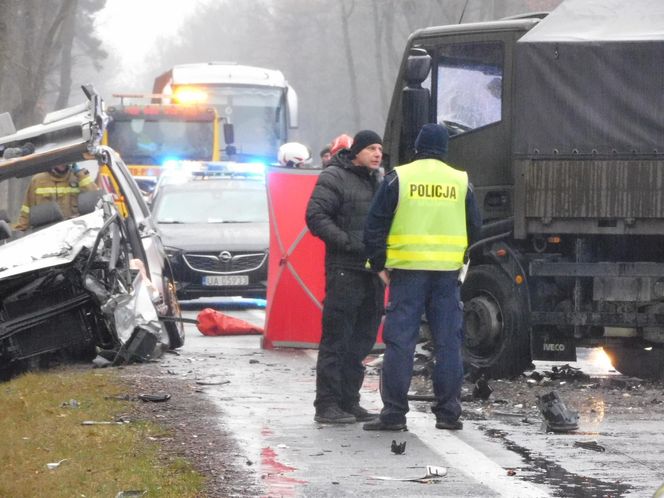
(470, 82)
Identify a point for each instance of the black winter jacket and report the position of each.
(338, 208)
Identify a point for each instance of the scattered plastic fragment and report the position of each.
(433, 472)
(536, 376)
(511, 472)
(482, 389)
(132, 493)
(398, 448)
(589, 445)
(55, 465)
(212, 382)
(567, 372)
(557, 417)
(155, 398)
(72, 403)
(102, 422)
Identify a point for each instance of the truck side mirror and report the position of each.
(291, 102)
(229, 133)
(415, 101)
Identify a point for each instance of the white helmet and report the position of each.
(294, 155)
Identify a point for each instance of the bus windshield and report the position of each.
(257, 115)
(151, 140)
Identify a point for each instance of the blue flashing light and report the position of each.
(171, 163)
(251, 169)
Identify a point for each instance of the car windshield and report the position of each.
(212, 206)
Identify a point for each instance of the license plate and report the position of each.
(230, 280)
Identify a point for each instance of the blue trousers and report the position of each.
(412, 293)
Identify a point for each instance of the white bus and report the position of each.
(256, 106)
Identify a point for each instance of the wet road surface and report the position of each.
(504, 450)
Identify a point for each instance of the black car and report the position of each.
(216, 233)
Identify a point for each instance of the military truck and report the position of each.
(558, 120)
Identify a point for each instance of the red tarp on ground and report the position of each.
(212, 322)
(296, 273)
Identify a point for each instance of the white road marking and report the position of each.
(475, 464)
(471, 462)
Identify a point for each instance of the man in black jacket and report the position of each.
(354, 296)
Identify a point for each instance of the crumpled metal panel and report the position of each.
(133, 310)
(52, 246)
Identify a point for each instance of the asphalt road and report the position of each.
(504, 449)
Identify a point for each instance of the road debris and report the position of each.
(398, 448)
(104, 422)
(589, 445)
(557, 417)
(155, 398)
(433, 473)
(212, 382)
(55, 465)
(482, 389)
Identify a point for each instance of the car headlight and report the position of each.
(173, 254)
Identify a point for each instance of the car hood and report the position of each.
(207, 237)
(51, 246)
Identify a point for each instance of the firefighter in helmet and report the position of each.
(61, 185)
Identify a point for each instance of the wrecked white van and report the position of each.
(96, 282)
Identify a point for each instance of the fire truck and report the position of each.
(148, 135)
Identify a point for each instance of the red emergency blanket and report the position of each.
(212, 322)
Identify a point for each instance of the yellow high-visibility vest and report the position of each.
(428, 231)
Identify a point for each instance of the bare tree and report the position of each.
(347, 7)
(65, 44)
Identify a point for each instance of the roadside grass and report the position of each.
(41, 416)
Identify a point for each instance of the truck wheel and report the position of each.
(638, 362)
(174, 329)
(496, 339)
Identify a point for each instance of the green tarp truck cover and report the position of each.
(590, 80)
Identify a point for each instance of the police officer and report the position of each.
(418, 227)
(61, 185)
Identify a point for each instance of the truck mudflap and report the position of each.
(548, 345)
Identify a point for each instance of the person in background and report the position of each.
(419, 226)
(325, 157)
(61, 185)
(341, 142)
(354, 295)
(294, 155)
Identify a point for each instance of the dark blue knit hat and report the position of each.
(432, 140)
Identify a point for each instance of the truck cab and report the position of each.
(556, 119)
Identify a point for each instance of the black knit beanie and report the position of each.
(364, 139)
(432, 140)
